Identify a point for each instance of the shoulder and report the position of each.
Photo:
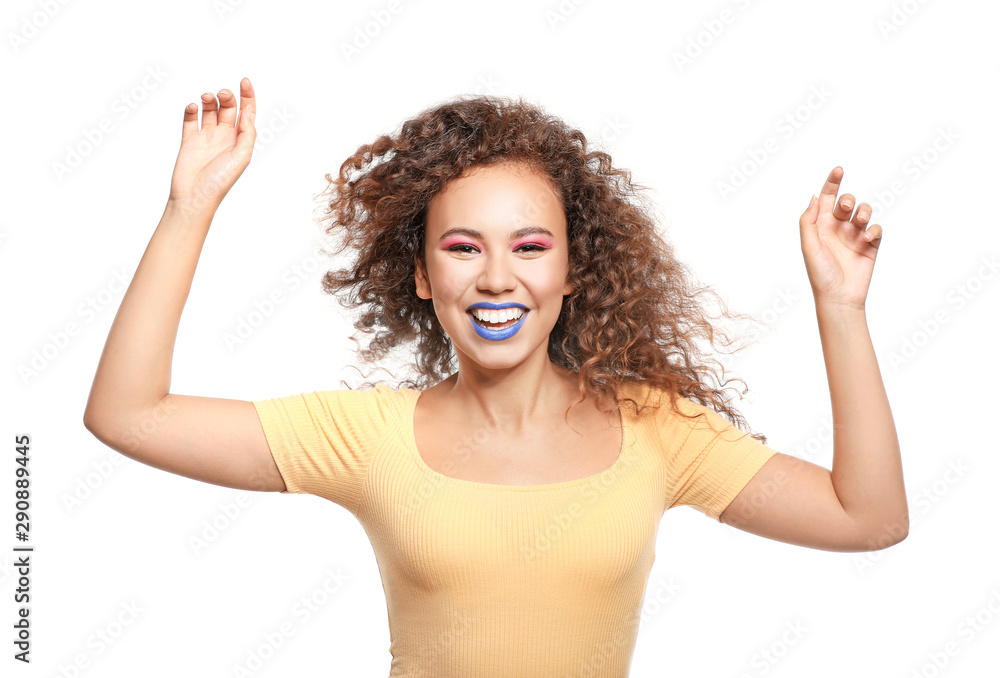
(668, 407)
(382, 397)
(644, 397)
(378, 403)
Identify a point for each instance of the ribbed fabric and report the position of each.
(486, 580)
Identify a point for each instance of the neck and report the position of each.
(512, 398)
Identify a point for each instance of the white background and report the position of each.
(110, 532)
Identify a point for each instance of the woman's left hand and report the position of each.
(838, 250)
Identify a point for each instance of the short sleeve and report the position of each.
(709, 460)
(322, 442)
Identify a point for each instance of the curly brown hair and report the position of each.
(634, 312)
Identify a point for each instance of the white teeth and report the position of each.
(500, 316)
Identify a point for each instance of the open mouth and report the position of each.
(499, 325)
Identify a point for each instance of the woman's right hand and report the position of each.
(212, 158)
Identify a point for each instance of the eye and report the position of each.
(530, 247)
(469, 249)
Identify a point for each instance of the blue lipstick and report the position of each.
(497, 335)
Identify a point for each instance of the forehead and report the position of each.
(499, 198)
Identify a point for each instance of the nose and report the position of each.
(496, 275)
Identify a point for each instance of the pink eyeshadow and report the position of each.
(451, 242)
(534, 240)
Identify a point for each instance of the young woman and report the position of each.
(512, 489)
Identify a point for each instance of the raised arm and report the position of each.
(130, 408)
(859, 505)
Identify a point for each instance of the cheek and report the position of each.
(450, 286)
(554, 280)
(443, 276)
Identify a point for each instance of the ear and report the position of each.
(568, 288)
(420, 277)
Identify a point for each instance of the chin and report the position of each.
(498, 357)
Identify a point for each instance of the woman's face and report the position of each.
(496, 243)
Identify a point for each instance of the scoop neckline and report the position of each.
(413, 396)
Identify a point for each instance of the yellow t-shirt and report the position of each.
(507, 580)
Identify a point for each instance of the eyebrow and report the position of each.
(519, 233)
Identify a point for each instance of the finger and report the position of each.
(807, 226)
(828, 194)
(248, 101)
(844, 207)
(190, 120)
(227, 107)
(208, 110)
(247, 132)
(863, 214)
(874, 235)
(811, 212)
